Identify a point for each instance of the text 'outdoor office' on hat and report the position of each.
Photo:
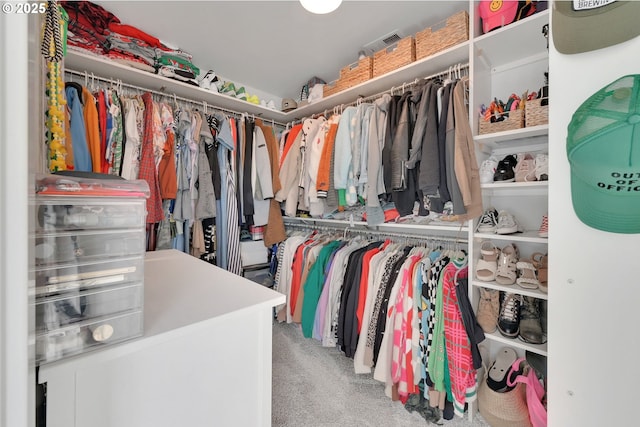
(603, 148)
(585, 25)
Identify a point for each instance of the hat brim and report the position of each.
(599, 209)
(583, 31)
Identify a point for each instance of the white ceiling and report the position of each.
(276, 46)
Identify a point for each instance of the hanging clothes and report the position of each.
(81, 156)
(147, 166)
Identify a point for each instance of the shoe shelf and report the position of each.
(514, 289)
(509, 139)
(540, 349)
(525, 237)
(540, 188)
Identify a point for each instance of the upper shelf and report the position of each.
(511, 43)
(422, 68)
(102, 67)
(106, 68)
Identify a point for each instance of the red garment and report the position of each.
(102, 122)
(291, 137)
(148, 166)
(364, 279)
(131, 31)
(167, 176)
(296, 273)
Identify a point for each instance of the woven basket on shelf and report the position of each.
(399, 54)
(356, 73)
(330, 88)
(514, 121)
(536, 114)
(437, 38)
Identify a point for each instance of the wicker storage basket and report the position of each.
(507, 409)
(514, 121)
(536, 114)
(434, 39)
(330, 88)
(356, 73)
(395, 56)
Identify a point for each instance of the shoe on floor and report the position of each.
(525, 169)
(509, 316)
(530, 326)
(499, 370)
(488, 221)
(506, 223)
(488, 309)
(505, 169)
(488, 169)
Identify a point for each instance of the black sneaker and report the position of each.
(505, 169)
(509, 317)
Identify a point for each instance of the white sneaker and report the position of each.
(542, 167)
(506, 223)
(487, 169)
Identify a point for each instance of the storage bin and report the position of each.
(89, 274)
(444, 34)
(66, 214)
(87, 336)
(356, 73)
(66, 247)
(536, 114)
(395, 56)
(330, 88)
(515, 120)
(66, 308)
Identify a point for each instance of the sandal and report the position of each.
(527, 277)
(540, 261)
(488, 264)
(499, 370)
(506, 273)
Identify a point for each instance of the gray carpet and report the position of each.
(315, 386)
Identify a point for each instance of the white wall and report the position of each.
(16, 373)
(594, 290)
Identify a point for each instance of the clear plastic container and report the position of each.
(68, 214)
(57, 311)
(88, 336)
(81, 246)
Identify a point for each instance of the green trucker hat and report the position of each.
(585, 25)
(603, 148)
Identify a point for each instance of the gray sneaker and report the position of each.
(530, 326)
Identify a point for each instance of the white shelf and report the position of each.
(540, 349)
(407, 74)
(509, 44)
(497, 139)
(527, 236)
(514, 289)
(103, 67)
(535, 188)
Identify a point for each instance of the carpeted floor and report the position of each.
(315, 386)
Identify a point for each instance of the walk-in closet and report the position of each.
(318, 213)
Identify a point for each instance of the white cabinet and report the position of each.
(512, 59)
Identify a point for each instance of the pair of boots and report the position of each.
(513, 315)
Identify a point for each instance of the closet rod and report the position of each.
(120, 83)
(390, 234)
(452, 69)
